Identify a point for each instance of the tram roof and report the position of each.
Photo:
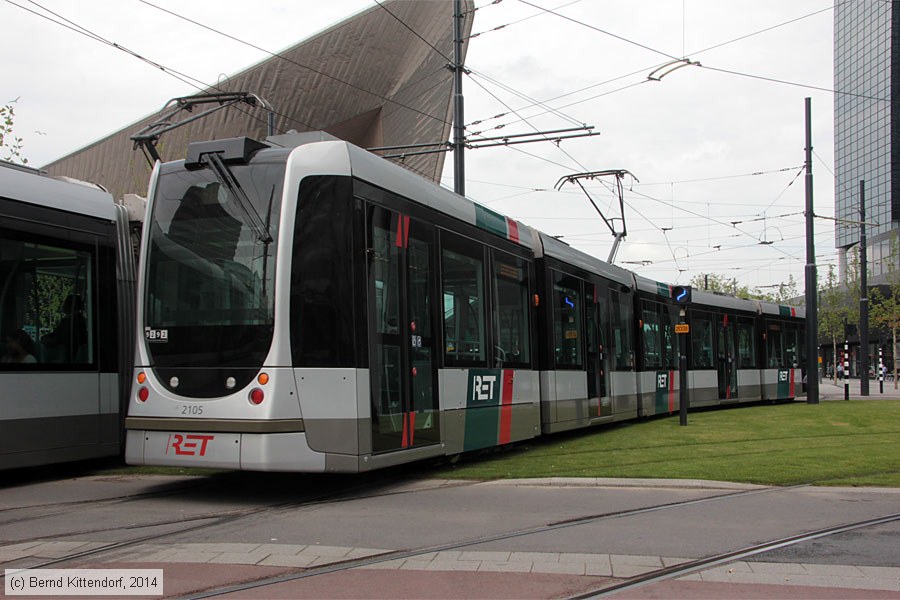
(783, 310)
(40, 189)
(724, 301)
(378, 171)
(562, 251)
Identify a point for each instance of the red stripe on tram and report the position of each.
(506, 407)
(513, 229)
(671, 391)
(412, 427)
(403, 443)
(402, 240)
(791, 389)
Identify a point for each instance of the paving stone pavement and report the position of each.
(600, 565)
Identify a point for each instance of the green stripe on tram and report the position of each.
(487, 219)
(783, 389)
(662, 392)
(483, 409)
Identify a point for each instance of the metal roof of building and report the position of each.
(369, 80)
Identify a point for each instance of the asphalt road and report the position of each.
(412, 536)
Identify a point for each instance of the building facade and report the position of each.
(867, 130)
(378, 78)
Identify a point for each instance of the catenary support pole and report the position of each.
(863, 295)
(459, 138)
(682, 374)
(811, 283)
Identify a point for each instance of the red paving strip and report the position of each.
(187, 578)
(182, 579)
(707, 590)
(449, 585)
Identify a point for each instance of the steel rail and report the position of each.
(403, 554)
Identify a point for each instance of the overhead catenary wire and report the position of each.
(182, 77)
(505, 25)
(694, 53)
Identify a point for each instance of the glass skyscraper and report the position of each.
(866, 128)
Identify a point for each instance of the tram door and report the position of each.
(402, 362)
(597, 360)
(726, 364)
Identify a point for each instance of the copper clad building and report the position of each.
(370, 80)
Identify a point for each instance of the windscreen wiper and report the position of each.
(227, 178)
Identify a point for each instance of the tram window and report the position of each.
(594, 340)
(567, 311)
(774, 346)
(46, 304)
(651, 336)
(791, 352)
(746, 345)
(463, 302)
(670, 341)
(511, 323)
(321, 285)
(702, 341)
(620, 318)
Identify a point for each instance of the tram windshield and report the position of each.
(210, 269)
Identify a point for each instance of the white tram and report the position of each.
(308, 306)
(66, 319)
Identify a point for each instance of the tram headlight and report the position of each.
(256, 396)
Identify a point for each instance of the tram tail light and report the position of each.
(257, 396)
(143, 394)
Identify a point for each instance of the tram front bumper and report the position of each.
(220, 450)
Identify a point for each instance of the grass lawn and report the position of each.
(854, 443)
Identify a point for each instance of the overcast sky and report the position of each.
(718, 154)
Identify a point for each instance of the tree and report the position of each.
(718, 283)
(885, 308)
(833, 313)
(786, 293)
(10, 144)
(782, 293)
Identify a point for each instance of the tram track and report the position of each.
(702, 564)
(92, 502)
(405, 554)
(364, 489)
(342, 494)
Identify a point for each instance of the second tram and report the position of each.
(66, 317)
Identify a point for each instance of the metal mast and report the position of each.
(812, 326)
(459, 139)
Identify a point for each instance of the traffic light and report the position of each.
(681, 294)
